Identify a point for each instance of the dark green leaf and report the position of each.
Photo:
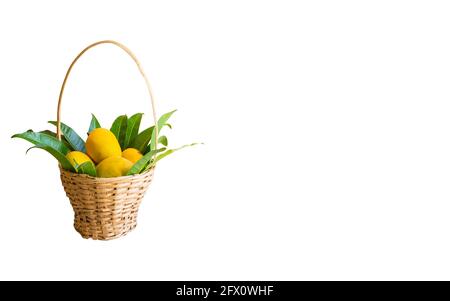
(72, 137)
(163, 140)
(50, 133)
(52, 145)
(65, 163)
(87, 168)
(119, 129)
(161, 122)
(168, 152)
(63, 139)
(132, 128)
(41, 139)
(141, 141)
(140, 165)
(147, 149)
(94, 124)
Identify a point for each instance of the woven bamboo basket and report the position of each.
(105, 208)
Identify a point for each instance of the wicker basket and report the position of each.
(105, 208)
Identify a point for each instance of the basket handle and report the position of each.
(131, 54)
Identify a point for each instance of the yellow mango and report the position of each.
(113, 167)
(132, 154)
(77, 158)
(102, 144)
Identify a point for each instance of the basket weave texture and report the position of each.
(105, 208)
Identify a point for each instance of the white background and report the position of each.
(326, 129)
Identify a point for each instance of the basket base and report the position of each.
(87, 235)
(91, 226)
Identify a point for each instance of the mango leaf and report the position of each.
(140, 165)
(163, 140)
(72, 137)
(52, 145)
(50, 133)
(161, 122)
(168, 152)
(119, 129)
(132, 128)
(63, 139)
(65, 163)
(94, 124)
(147, 149)
(41, 139)
(141, 141)
(87, 168)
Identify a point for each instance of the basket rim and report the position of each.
(150, 170)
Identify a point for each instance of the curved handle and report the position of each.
(131, 54)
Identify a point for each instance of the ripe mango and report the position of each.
(132, 154)
(102, 144)
(77, 158)
(112, 167)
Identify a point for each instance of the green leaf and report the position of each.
(94, 124)
(50, 133)
(41, 139)
(147, 149)
(72, 137)
(161, 122)
(168, 152)
(87, 168)
(119, 129)
(163, 140)
(132, 129)
(52, 145)
(65, 163)
(140, 165)
(141, 141)
(63, 139)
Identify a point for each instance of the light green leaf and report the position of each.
(161, 122)
(119, 129)
(87, 168)
(52, 145)
(140, 165)
(163, 140)
(132, 129)
(141, 141)
(94, 124)
(72, 137)
(168, 152)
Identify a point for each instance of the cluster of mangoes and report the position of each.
(103, 149)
